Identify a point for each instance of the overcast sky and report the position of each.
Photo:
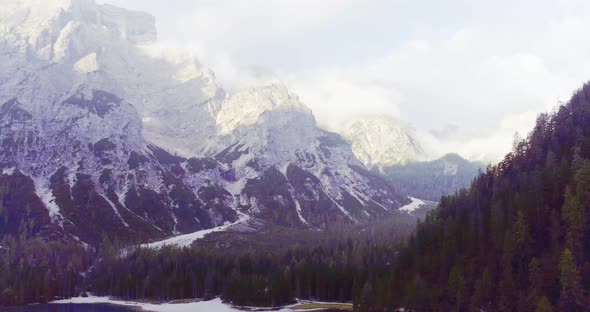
(473, 72)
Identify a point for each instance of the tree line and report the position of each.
(36, 271)
(325, 266)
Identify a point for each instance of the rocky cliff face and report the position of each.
(284, 162)
(93, 171)
(381, 141)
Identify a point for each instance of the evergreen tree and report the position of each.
(569, 279)
(544, 305)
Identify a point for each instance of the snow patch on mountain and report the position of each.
(236, 188)
(415, 204)
(115, 210)
(8, 171)
(48, 199)
(187, 239)
(87, 64)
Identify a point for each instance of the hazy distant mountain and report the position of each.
(388, 147)
(432, 179)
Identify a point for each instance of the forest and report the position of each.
(517, 240)
(327, 266)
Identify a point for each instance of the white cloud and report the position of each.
(485, 146)
(472, 78)
(333, 98)
(487, 67)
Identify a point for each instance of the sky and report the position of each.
(466, 75)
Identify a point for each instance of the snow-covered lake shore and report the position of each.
(215, 305)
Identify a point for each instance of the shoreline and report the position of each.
(214, 305)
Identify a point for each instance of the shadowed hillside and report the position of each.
(517, 240)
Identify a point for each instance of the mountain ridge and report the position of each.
(96, 119)
(433, 179)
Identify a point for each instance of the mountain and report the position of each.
(387, 147)
(433, 179)
(89, 165)
(104, 135)
(73, 135)
(273, 143)
(517, 240)
(381, 141)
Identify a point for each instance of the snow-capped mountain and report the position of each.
(93, 118)
(93, 171)
(51, 47)
(381, 141)
(269, 136)
(77, 87)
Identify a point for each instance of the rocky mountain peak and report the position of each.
(381, 141)
(245, 108)
(44, 25)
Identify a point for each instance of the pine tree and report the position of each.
(573, 216)
(482, 294)
(456, 287)
(569, 279)
(544, 305)
(535, 281)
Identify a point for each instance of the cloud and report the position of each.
(477, 65)
(334, 99)
(484, 146)
(488, 84)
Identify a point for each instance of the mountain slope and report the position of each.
(75, 81)
(95, 174)
(51, 48)
(433, 179)
(292, 172)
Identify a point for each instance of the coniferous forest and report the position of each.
(517, 240)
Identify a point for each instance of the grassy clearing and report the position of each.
(313, 306)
